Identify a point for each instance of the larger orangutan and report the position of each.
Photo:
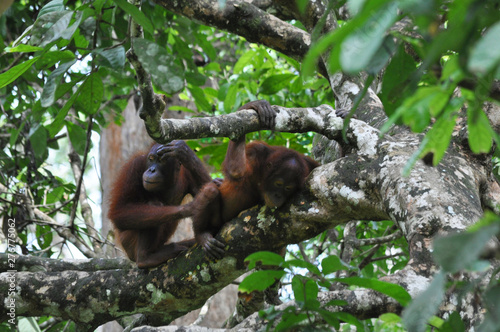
(145, 201)
(254, 174)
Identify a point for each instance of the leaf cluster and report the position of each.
(315, 266)
(455, 254)
(430, 58)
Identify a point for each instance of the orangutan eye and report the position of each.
(278, 184)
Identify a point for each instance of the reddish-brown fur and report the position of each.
(254, 174)
(145, 219)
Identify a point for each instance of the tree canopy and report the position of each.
(396, 230)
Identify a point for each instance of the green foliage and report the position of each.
(168, 75)
(136, 14)
(461, 251)
(306, 280)
(60, 64)
(454, 42)
(456, 253)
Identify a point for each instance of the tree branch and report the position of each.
(246, 20)
(76, 166)
(321, 119)
(38, 216)
(34, 263)
(153, 105)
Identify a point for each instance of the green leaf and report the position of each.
(348, 318)
(390, 318)
(230, 99)
(302, 5)
(418, 7)
(416, 110)
(58, 122)
(304, 288)
(77, 136)
(91, 94)
(452, 70)
(265, 258)
(10, 75)
(23, 49)
(161, 65)
(332, 40)
(395, 291)
(194, 78)
(38, 140)
(382, 56)
(489, 218)
(358, 49)
(439, 136)
(304, 265)
(55, 195)
(436, 322)
(50, 27)
(332, 264)
(355, 6)
(49, 89)
(315, 51)
(459, 251)
(297, 85)
(453, 324)
(260, 280)
(43, 236)
(98, 4)
(51, 7)
(208, 48)
(291, 320)
(200, 99)
(485, 55)
(426, 102)
(28, 324)
(181, 48)
(480, 139)
(275, 83)
(180, 109)
(396, 79)
(68, 33)
(14, 133)
(136, 14)
(337, 302)
(49, 59)
(243, 61)
(437, 140)
(331, 318)
(421, 309)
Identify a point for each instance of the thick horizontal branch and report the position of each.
(34, 263)
(321, 119)
(246, 20)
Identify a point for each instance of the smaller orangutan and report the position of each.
(145, 201)
(254, 174)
